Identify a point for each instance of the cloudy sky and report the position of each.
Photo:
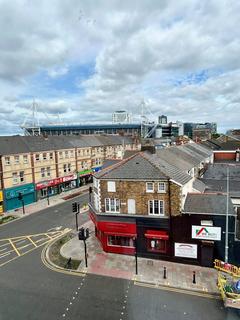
(81, 60)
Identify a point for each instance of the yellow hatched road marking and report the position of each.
(32, 242)
(14, 247)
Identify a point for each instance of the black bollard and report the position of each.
(194, 277)
(164, 273)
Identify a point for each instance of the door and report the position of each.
(131, 206)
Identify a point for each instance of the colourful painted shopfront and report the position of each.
(1, 202)
(11, 200)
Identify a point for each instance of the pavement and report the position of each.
(43, 203)
(150, 271)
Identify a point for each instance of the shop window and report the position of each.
(112, 205)
(149, 187)
(156, 207)
(48, 171)
(120, 241)
(25, 159)
(15, 177)
(37, 157)
(51, 156)
(7, 160)
(16, 159)
(21, 175)
(111, 186)
(157, 245)
(42, 172)
(161, 187)
(44, 156)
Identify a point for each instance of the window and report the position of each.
(25, 159)
(69, 167)
(50, 155)
(71, 154)
(66, 154)
(15, 177)
(60, 155)
(156, 207)
(37, 157)
(7, 160)
(65, 168)
(44, 156)
(120, 241)
(149, 187)
(16, 159)
(157, 245)
(111, 186)
(48, 171)
(112, 205)
(21, 175)
(42, 172)
(161, 187)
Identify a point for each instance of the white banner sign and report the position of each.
(185, 250)
(206, 233)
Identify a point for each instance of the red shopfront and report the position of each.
(115, 237)
(55, 186)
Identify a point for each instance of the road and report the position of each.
(29, 290)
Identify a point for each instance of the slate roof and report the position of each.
(205, 203)
(136, 167)
(199, 185)
(24, 144)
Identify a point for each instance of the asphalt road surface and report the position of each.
(29, 290)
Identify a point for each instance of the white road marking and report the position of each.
(3, 249)
(5, 254)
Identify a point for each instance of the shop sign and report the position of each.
(69, 178)
(54, 182)
(185, 250)
(85, 172)
(13, 192)
(206, 233)
(1, 196)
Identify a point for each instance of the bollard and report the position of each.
(194, 277)
(164, 273)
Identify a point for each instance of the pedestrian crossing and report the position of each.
(15, 247)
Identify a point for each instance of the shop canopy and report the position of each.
(156, 234)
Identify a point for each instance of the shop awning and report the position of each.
(156, 234)
(120, 234)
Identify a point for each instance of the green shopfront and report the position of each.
(84, 177)
(11, 200)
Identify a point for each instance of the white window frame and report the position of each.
(7, 161)
(49, 171)
(162, 190)
(150, 190)
(111, 186)
(43, 172)
(25, 159)
(21, 176)
(151, 207)
(112, 205)
(15, 177)
(16, 159)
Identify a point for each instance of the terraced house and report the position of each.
(39, 167)
(148, 205)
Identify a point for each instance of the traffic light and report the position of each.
(81, 234)
(87, 233)
(74, 207)
(20, 196)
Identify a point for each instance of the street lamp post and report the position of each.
(227, 209)
(136, 261)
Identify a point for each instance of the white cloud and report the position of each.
(139, 48)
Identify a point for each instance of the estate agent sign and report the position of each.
(206, 233)
(186, 250)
